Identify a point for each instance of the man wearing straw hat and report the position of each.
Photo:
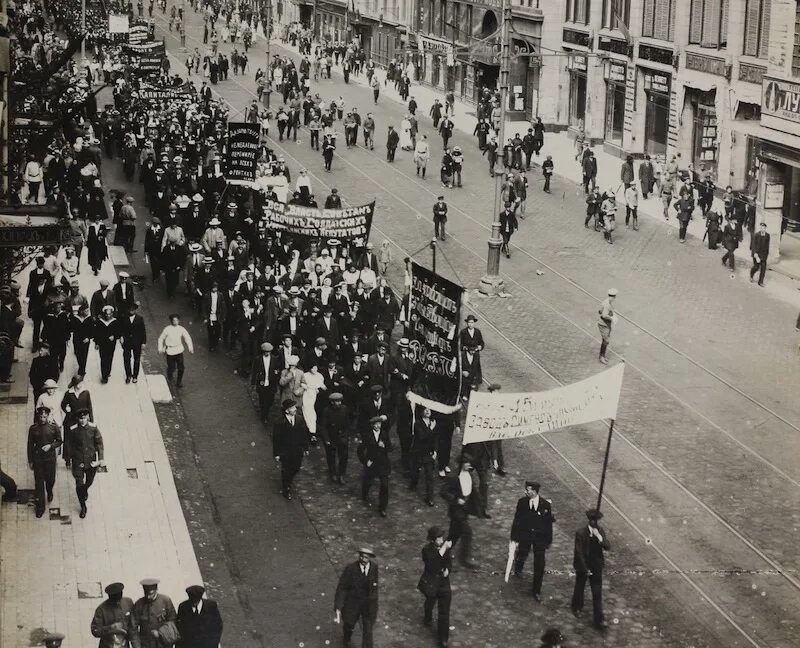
(357, 597)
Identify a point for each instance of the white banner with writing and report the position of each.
(496, 415)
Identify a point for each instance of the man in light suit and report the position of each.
(357, 597)
(199, 621)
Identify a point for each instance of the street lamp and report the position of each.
(491, 283)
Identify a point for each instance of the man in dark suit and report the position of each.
(471, 372)
(471, 335)
(214, 310)
(353, 347)
(327, 327)
(588, 561)
(123, 294)
(39, 283)
(334, 428)
(357, 597)
(379, 367)
(289, 443)
(463, 498)
(134, 337)
(264, 375)
(43, 367)
(435, 582)
(104, 296)
(375, 404)
(369, 260)
(759, 248)
(289, 324)
(199, 621)
(532, 528)
(374, 454)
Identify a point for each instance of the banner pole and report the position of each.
(605, 465)
(433, 250)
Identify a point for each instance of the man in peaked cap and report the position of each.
(44, 438)
(151, 612)
(357, 597)
(113, 622)
(199, 621)
(53, 640)
(532, 528)
(588, 561)
(607, 319)
(265, 375)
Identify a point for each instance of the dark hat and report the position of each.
(376, 389)
(43, 408)
(470, 318)
(327, 308)
(149, 583)
(435, 532)
(553, 636)
(287, 404)
(287, 335)
(336, 397)
(376, 419)
(195, 591)
(114, 588)
(320, 341)
(533, 484)
(594, 514)
(82, 411)
(382, 345)
(494, 387)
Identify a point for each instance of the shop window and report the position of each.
(578, 11)
(616, 9)
(756, 28)
(615, 112)
(708, 23)
(658, 19)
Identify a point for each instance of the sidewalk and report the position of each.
(53, 570)
(563, 150)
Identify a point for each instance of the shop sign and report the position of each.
(781, 99)
(616, 72)
(705, 64)
(578, 63)
(773, 195)
(751, 73)
(655, 54)
(436, 46)
(656, 82)
(30, 235)
(575, 37)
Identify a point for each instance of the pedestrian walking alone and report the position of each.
(588, 562)
(422, 154)
(439, 218)
(172, 342)
(290, 442)
(607, 319)
(357, 597)
(759, 248)
(547, 171)
(392, 141)
(508, 225)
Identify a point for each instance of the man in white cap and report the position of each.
(123, 293)
(607, 319)
(151, 613)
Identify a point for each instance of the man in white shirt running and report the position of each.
(171, 342)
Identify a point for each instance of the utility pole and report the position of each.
(491, 282)
(83, 31)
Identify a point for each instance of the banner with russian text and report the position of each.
(146, 58)
(435, 314)
(137, 33)
(150, 91)
(492, 416)
(241, 159)
(347, 224)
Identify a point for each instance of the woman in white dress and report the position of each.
(224, 34)
(405, 134)
(312, 383)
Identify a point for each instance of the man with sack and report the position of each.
(155, 616)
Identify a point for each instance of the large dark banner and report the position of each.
(435, 315)
(137, 34)
(241, 159)
(347, 224)
(146, 58)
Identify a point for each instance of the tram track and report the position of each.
(686, 574)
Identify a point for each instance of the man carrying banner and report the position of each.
(588, 561)
(607, 319)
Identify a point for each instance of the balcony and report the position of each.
(528, 9)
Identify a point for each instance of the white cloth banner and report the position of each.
(416, 399)
(496, 415)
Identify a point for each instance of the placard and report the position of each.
(118, 24)
(149, 91)
(241, 159)
(773, 195)
(347, 224)
(435, 315)
(137, 34)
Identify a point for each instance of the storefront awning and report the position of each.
(699, 80)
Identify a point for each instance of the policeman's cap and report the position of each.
(594, 514)
(114, 589)
(149, 583)
(612, 292)
(336, 397)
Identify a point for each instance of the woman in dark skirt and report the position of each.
(76, 398)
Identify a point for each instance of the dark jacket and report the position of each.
(451, 492)
(533, 527)
(424, 440)
(376, 451)
(40, 435)
(133, 332)
(202, 630)
(85, 445)
(588, 554)
(290, 440)
(120, 302)
(476, 338)
(258, 372)
(760, 245)
(357, 594)
(42, 368)
(436, 574)
(99, 300)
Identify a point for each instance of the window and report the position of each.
(796, 49)
(613, 9)
(659, 19)
(442, 18)
(431, 17)
(708, 24)
(756, 28)
(578, 11)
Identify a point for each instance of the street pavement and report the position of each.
(54, 568)
(702, 492)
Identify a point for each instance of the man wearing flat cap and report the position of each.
(152, 613)
(290, 440)
(53, 640)
(532, 528)
(44, 438)
(113, 622)
(334, 428)
(199, 621)
(588, 561)
(374, 454)
(265, 375)
(357, 597)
